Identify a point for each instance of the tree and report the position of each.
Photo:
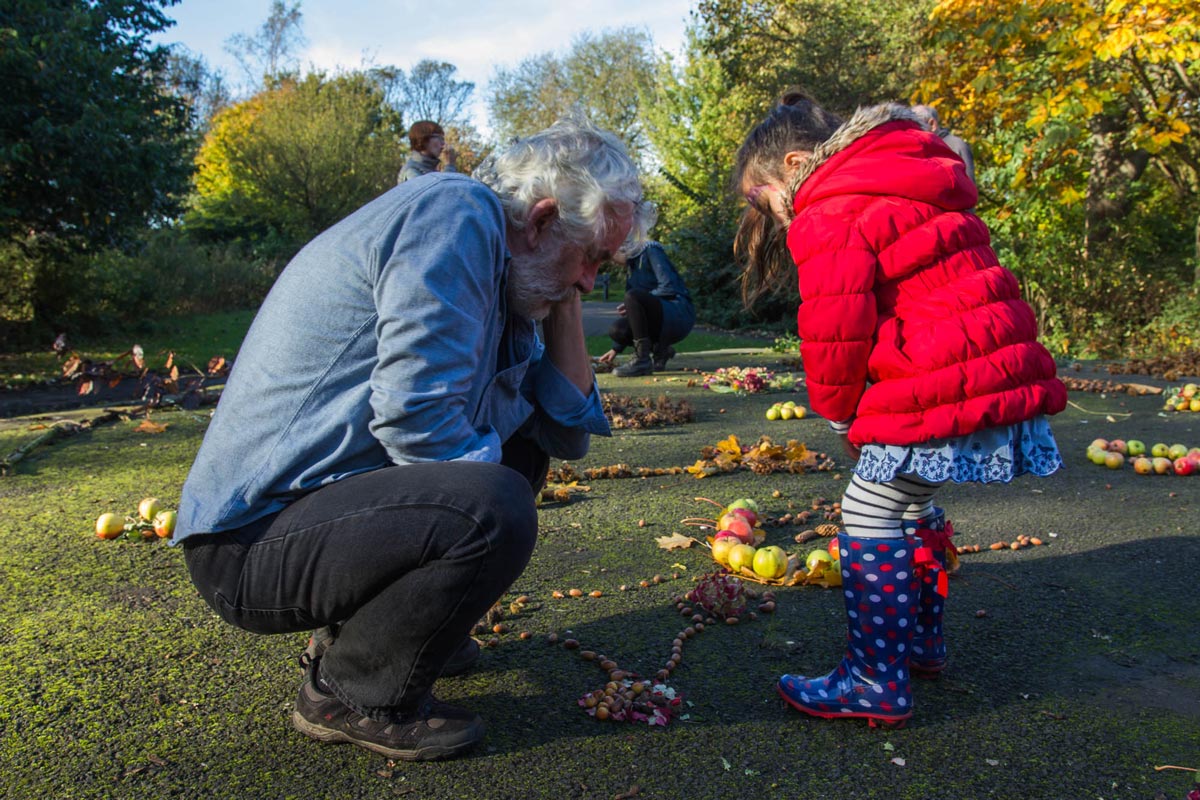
(847, 53)
(202, 89)
(272, 50)
(431, 92)
(1098, 93)
(294, 159)
(91, 147)
(605, 75)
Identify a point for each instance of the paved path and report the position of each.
(598, 316)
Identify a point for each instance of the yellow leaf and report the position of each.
(676, 541)
(730, 445)
(149, 427)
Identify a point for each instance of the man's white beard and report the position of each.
(535, 281)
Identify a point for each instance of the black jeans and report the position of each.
(643, 319)
(404, 559)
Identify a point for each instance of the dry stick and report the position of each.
(1078, 407)
(1168, 766)
(57, 431)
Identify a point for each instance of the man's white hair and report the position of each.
(582, 167)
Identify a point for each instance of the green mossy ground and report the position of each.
(117, 681)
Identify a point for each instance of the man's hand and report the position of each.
(565, 344)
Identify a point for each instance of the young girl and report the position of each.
(917, 348)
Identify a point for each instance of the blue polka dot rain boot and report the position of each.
(881, 606)
(934, 558)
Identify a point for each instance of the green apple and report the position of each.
(1097, 456)
(164, 524)
(148, 509)
(1159, 450)
(818, 560)
(770, 562)
(787, 412)
(1136, 447)
(773, 413)
(1176, 451)
(741, 555)
(109, 526)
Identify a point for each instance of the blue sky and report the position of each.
(473, 35)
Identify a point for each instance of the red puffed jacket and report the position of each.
(909, 325)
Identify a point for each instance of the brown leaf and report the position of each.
(676, 541)
(85, 387)
(147, 426)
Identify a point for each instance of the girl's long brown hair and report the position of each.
(796, 123)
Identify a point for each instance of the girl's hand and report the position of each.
(621, 309)
(851, 450)
(608, 357)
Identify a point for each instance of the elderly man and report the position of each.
(373, 461)
(928, 116)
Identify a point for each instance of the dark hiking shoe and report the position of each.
(662, 354)
(437, 730)
(463, 659)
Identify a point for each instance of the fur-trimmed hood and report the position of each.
(865, 119)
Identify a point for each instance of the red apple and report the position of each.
(1118, 446)
(739, 530)
(1184, 466)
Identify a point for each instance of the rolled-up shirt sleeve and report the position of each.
(564, 417)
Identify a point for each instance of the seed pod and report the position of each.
(601, 713)
(1015, 546)
(587, 655)
(499, 627)
(638, 687)
(676, 651)
(571, 644)
(996, 546)
(699, 627)
(769, 596)
(590, 701)
(677, 642)
(493, 642)
(662, 674)
(674, 576)
(643, 584)
(697, 618)
(1035, 541)
(618, 674)
(689, 632)
(623, 587)
(752, 616)
(552, 638)
(526, 635)
(557, 595)
(596, 593)
(1003, 544)
(658, 579)
(767, 606)
(608, 665)
(981, 613)
(686, 611)
(576, 592)
(523, 599)
(710, 621)
(731, 620)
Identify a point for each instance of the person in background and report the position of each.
(917, 348)
(428, 142)
(657, 313)
(928, 116)
(372, 466)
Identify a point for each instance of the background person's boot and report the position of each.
(640, 364)
(662, 353)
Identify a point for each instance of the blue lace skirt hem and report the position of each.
(988, 456)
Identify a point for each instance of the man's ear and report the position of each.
(542, 215)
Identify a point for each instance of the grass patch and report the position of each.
(116, 681)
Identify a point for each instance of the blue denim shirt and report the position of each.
(385, 341)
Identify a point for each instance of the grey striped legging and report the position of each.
(875, 510)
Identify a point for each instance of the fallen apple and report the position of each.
(1159, 450)
(1100, 443)
(770, 562)
(818, 560)
(773, 413)
(1184, 466)
(1114, 460)
(1136, 447)
(741, 555)
(1176, 451)
(1118, 446)
(834, 549)
(787, 412)
(164, 524)
(1143, 465)
(109, 526)
(1097, 455)
(1163, 466)
(739, 528)
(148, 509)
